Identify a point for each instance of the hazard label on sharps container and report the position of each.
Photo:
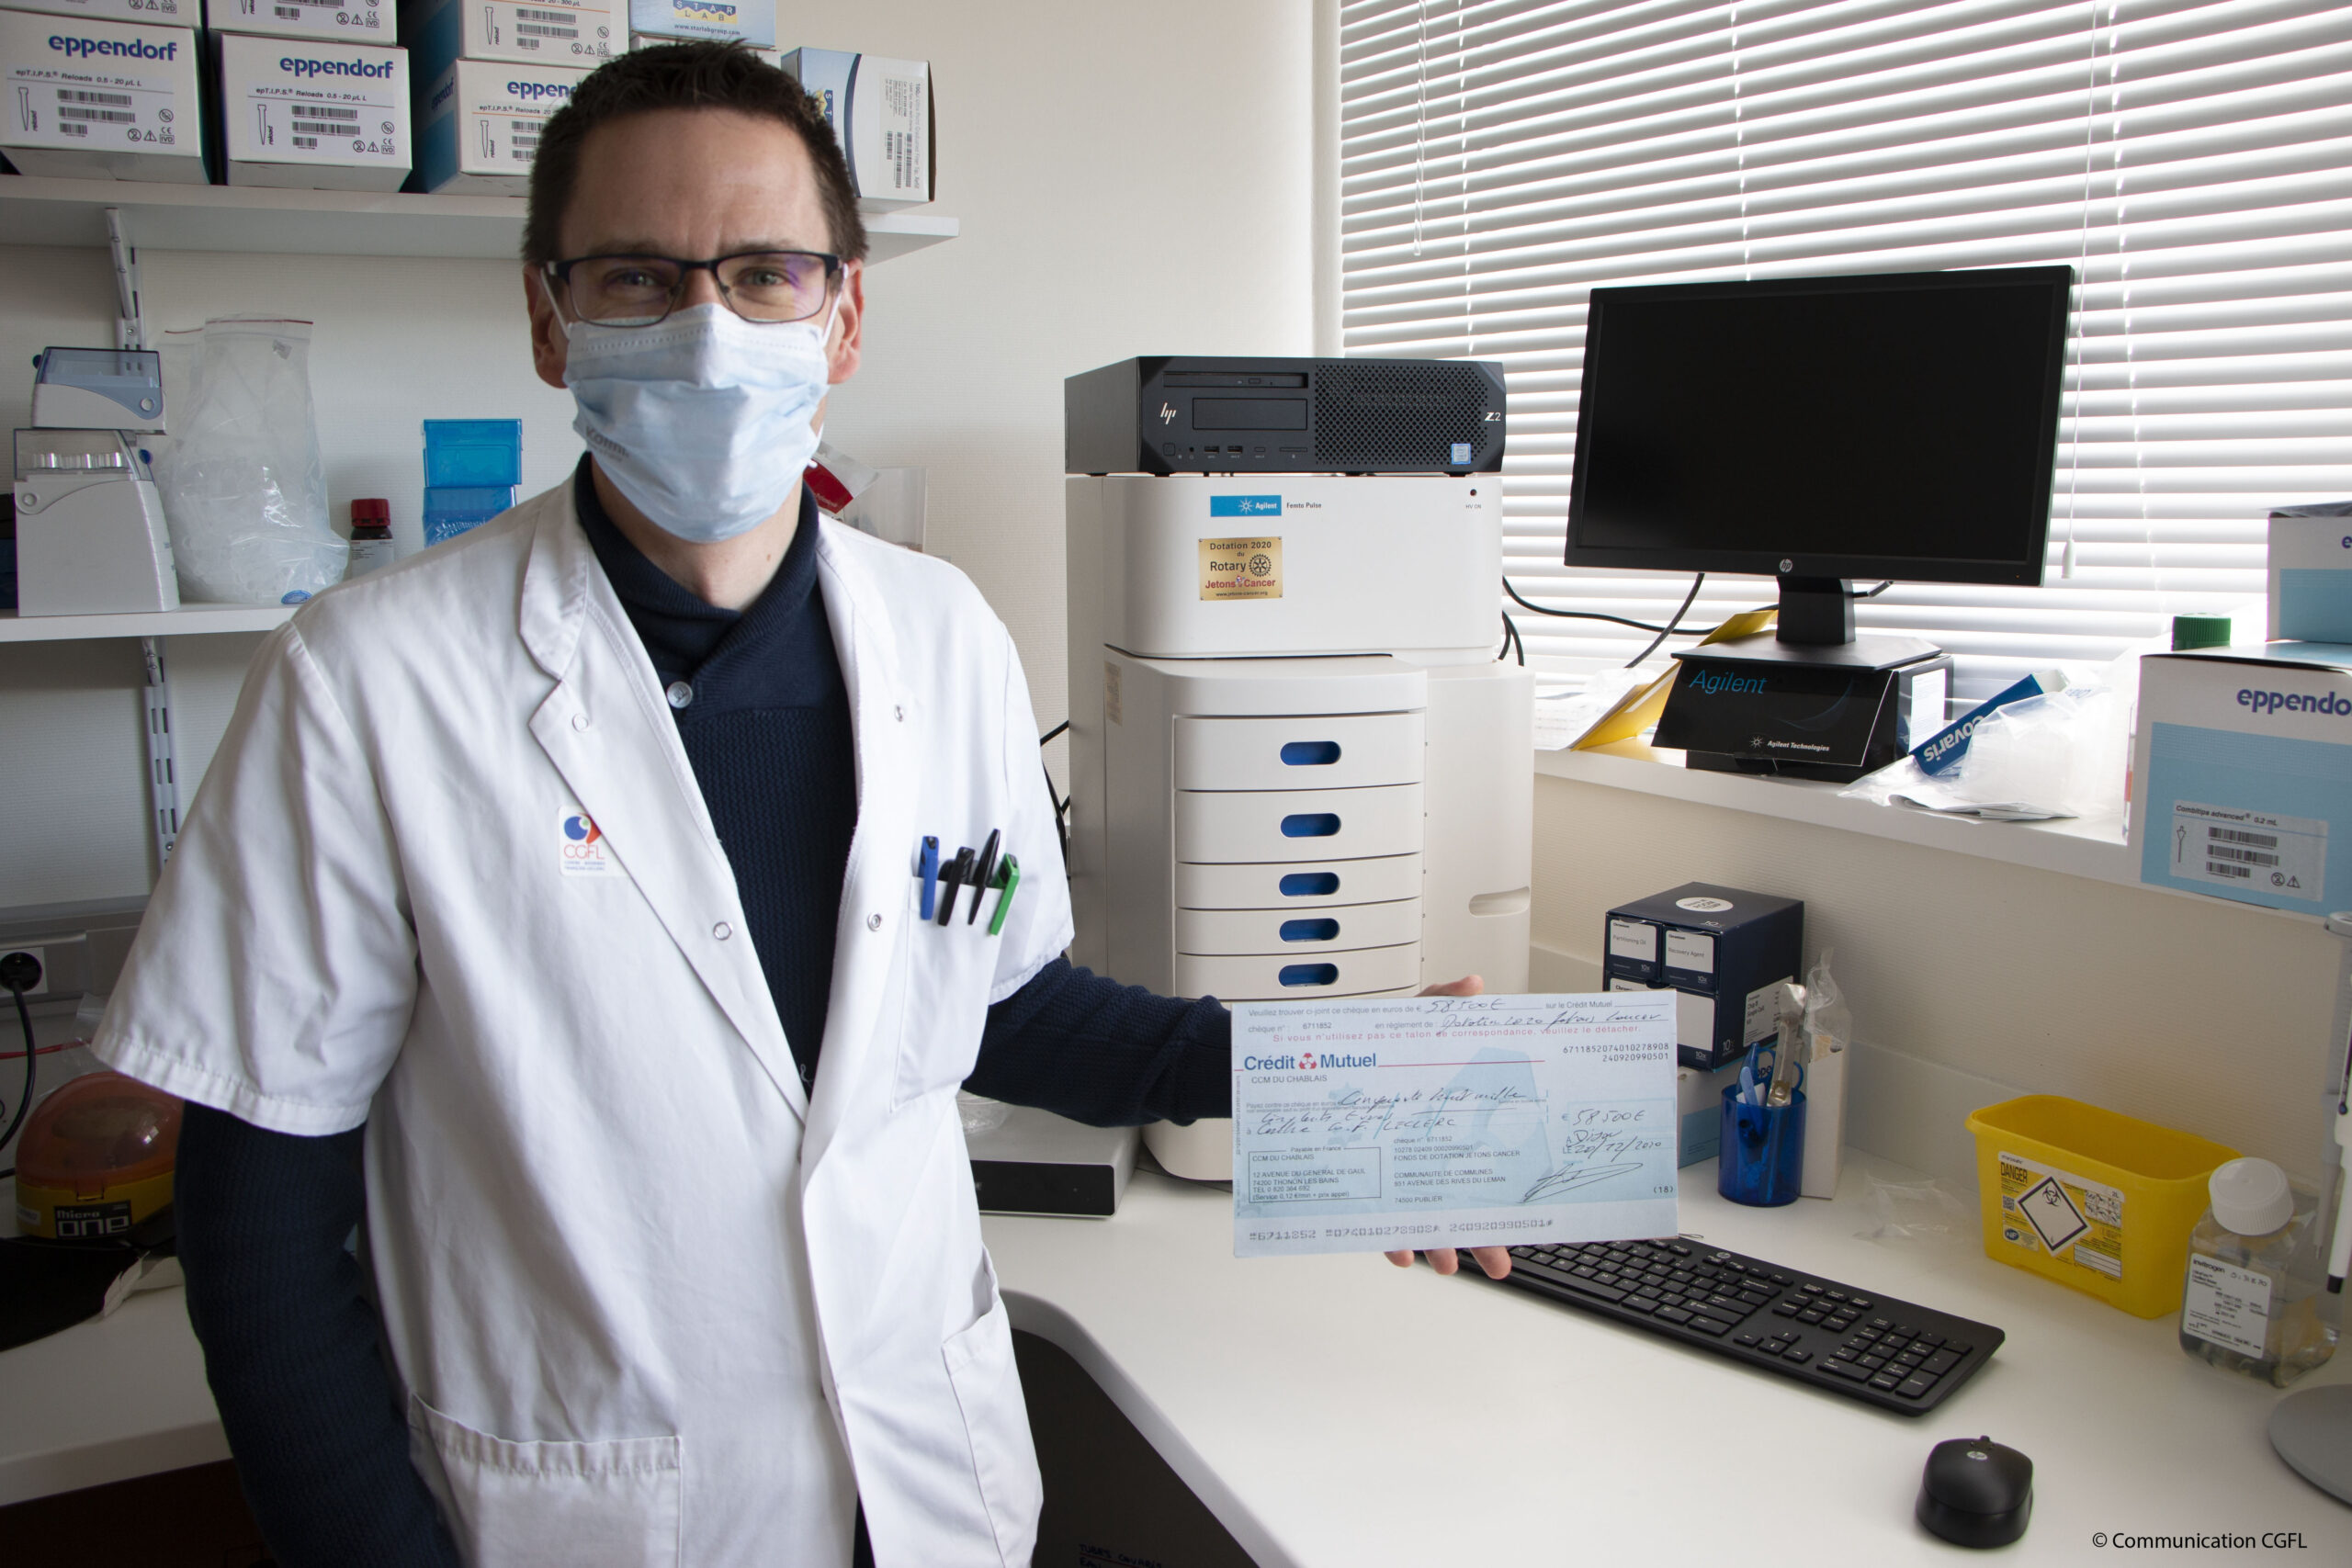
(1242, 568)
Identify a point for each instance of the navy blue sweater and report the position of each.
(290, 1338)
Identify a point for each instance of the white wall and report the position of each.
(1972, 980)
(1129, 178)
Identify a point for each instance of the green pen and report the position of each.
(1008, 876)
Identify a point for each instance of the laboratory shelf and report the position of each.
(35, 211)
(194, 620)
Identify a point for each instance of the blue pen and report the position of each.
(929, 871)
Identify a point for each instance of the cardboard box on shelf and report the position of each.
(532, 32)
(477, 123)
(881, 110)
(91, 99)
(313, 114)
(754, 21)
(148, 13)
(2241, 771)
(346, 21)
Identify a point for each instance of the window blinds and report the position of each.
(2193, 162)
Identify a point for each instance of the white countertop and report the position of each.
(1338, 1411)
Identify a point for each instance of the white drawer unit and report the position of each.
(1214, 931)
(1272, 977)
(1225, 827)
(1316, 751)
(1297, 885)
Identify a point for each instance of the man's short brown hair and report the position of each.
(683, 76)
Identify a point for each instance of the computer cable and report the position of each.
(20, 971)
(1511, 641)
(1672, 628)
(1060, 801)
(1672, 624)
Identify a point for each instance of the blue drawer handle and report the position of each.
(1310, 930)
(1310, 753)
(1310, 825)
(1310, 885)
(1309, 974)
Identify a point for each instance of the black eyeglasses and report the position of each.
(765, 287)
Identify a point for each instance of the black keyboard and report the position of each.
(1897, 1355)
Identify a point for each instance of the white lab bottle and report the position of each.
(2254, 1301)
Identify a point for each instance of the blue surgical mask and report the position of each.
(702, 420)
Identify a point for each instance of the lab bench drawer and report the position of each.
(1269, 978)
(1226, 826)
(1278, 931)
(1299, 885)
(1322, 752)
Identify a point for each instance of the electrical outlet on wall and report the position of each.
(41, 956)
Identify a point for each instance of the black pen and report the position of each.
(950, 877)
(986, 869)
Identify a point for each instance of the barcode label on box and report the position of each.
(124, 109)
(2287, 855)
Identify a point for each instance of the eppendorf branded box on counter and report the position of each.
(881, 111)
(754, 21)
(347, 21)
(154, 12)
(478, 125)
(532, 32)
(2241, 774)
(95, 99)
(313, 114)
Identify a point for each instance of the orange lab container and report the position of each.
(2092, 1198)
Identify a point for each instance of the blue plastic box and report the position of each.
(473, 452)
(451, 510)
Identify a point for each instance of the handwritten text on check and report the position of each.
(1383, 1123)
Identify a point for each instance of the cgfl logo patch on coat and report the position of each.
(581, 844)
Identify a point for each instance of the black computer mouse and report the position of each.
(1976, 1491)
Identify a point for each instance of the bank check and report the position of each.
(1384, 1124)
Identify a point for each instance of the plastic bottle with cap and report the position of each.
(2254, 1301)
(372, 537)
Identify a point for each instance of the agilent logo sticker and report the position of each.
(581, 846)
(1245, 506)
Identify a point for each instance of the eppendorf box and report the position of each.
(313, 114)
(532, 32)
(2241, 771)
(479, 125)
(754, 21)
(108, 100)
(881, 111)
(348, 21)
(152, 13)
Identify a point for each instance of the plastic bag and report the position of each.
(2062, 754)
(245, 491)
(1828, 1030)
(1929, 1214)
(2059, 755)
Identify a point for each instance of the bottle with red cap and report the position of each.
(372, 537)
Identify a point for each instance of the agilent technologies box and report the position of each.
(152, 13)
(478, 125)
(881, 111)
(350, 22)
(313, 114)
(1724, 950)
(2241, 774)
(97, 99)
(532, 32)
(754, 21)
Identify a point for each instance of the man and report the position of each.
(571, 866)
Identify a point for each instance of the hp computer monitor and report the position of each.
(1815, 430)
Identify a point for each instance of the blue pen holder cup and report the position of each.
(1762, 1161)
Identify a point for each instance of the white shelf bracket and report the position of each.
(163, 774)
(130, 327)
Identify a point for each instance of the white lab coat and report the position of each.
(650, 1305)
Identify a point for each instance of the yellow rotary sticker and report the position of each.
(1242, 568)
